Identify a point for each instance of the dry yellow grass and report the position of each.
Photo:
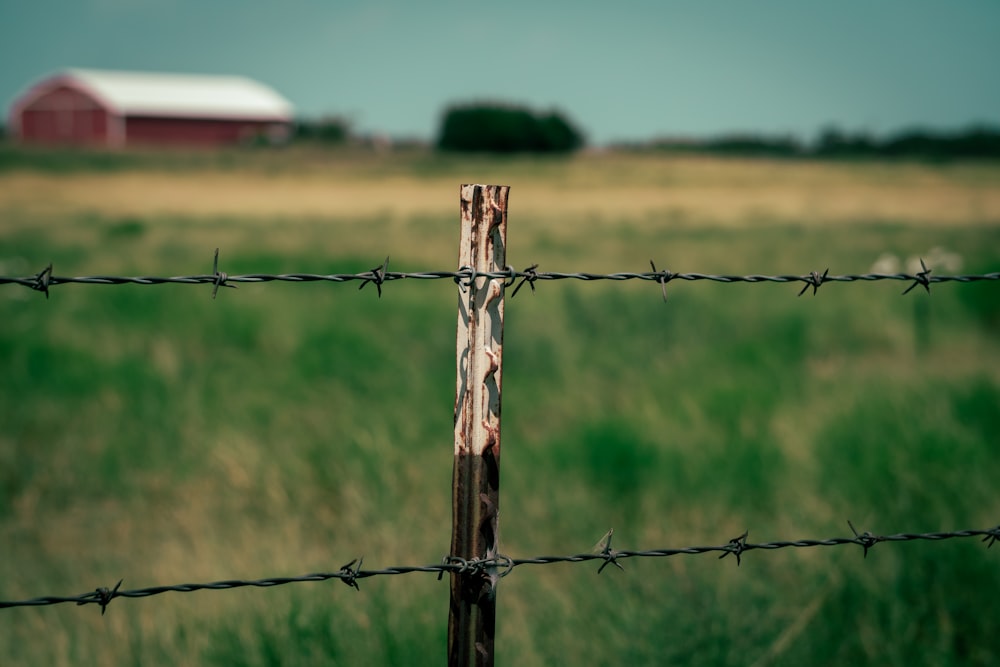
(686, 191)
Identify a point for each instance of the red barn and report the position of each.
(114, 109)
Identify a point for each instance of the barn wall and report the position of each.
(59, 112)
(63, 115)
(153, 130)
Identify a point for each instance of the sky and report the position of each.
(620, 70)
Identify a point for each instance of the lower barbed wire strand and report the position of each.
(737, 546)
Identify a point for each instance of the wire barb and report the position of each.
(349, 575)
(42, 280)
(220, 277)
(664, 277)
(530, 276)
(921, 278)
(609, 555)
(814, 280)
(736, 546)
(378, 275)
(102, 596)
(866, 539)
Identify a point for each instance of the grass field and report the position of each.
(155, 435)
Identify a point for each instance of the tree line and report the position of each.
(499, 128)
(976, 142)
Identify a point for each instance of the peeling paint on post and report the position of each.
(476, 478)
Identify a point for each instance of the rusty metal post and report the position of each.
(476, 477)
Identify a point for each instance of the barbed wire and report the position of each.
(501, 565)
(464, 276)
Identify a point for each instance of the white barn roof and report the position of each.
(205, 96)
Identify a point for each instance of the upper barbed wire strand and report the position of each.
(45, 280)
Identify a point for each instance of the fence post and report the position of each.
(476, 476)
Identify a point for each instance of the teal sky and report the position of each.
(621, 69)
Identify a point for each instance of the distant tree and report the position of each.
(326, 130)
(979, 141)
(975, 142)
(558, 134)
(914, 143)
(754, 145)
(833, 142)
(499, 128)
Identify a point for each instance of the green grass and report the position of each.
(156, 435)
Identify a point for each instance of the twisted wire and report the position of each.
(379, 276)
(502, 565)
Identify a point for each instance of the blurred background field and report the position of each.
(156, 435)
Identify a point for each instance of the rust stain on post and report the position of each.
(476, 478)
